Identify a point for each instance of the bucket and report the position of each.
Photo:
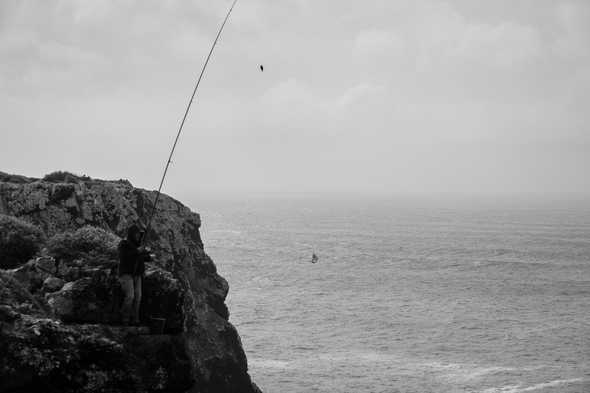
(157, 325)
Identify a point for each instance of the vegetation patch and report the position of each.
(90, 243)
(6, 177)
(19, 241)
(64, 177)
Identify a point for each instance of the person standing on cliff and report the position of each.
(132, 258)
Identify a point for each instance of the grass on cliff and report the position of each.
(89, 243)
(19, 241)
(64, 177)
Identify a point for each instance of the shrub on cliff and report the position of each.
(19, 241)
(64, 177)
(6, 177)
(86, 243)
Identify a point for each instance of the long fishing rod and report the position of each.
(188, 107)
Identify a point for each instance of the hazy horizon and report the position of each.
(379, 98)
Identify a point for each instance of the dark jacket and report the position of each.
(131, 259)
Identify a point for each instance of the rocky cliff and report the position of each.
(59, 328)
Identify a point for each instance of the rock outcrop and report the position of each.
(58, 318)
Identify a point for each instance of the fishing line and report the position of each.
(188, 107)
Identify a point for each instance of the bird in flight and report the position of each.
(261, 68)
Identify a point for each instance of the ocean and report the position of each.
(408, 295)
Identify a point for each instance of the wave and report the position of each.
(268, 363)
(520, 389)
(227, 231)
(458, 372)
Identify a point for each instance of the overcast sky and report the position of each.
(356, 96)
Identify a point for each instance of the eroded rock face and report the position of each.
(75, 302)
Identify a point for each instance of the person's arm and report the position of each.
(127, 252)
(144, 254)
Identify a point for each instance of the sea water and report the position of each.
(408, 295)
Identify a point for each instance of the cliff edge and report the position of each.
(59, 304)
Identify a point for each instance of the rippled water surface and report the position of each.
(407, 296)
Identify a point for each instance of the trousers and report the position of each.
(131, 286)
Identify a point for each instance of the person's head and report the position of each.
(134, 234)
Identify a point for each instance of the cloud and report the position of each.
(357, 93)
(116, 43)
(574, 41)
(374, 41)
(395, 89)
(442, 37)
(504, 45)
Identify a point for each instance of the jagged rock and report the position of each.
(40, 354)
(163, 298)
(7, 314)
(15, 296)
(30, 276)
(200, 350)
(52, 284)
(46, 264)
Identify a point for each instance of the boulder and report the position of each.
(96, 298)
(46, 264)
(52, 284)
(86, 300)
(30, 276)
(163, 297)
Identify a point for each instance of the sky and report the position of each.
(378, 97)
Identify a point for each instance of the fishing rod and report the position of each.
(188, 107)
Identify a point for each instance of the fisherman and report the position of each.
(132, 258)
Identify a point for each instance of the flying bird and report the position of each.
(261, 68)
